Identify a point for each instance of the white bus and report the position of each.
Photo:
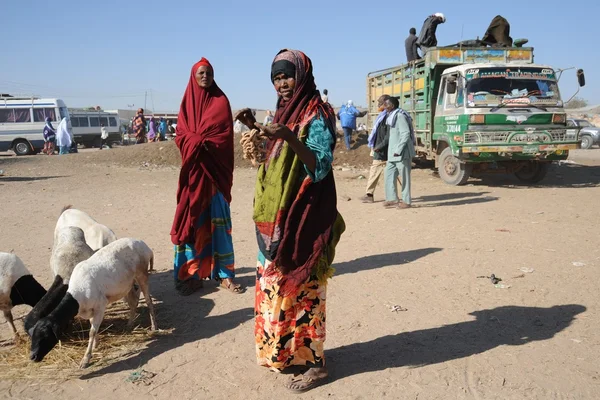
(22, 121)
(86, 126)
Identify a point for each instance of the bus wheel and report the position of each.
(22, 148)
(97, 142)
(451, 170)
(533, 172)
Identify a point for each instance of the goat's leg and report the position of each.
(96, 320)
(9, 319)
(143, 282)
(132, 299)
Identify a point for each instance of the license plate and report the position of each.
(530, 149)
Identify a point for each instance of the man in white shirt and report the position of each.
(103, 135)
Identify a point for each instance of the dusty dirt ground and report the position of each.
(453, 335)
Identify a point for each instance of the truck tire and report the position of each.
(534, 172)
(451, 170)
(587, 142)
(22, 148)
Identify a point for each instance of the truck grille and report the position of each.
(486, 137)
(558, 135)
(541, 136)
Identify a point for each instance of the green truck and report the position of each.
(481, 110)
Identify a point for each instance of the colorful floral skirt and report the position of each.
(289, 330)
(211, 256)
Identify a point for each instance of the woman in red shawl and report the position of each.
(201, 229)
(297, 224)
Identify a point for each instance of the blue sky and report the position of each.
(110, 52)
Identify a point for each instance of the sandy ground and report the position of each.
(460, 337)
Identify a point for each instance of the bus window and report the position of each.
(12, 115)
(113, 121)
(6, 115)
(83, 122)
(104, 121)
(94, 121)
(75, 122)
(40, 114)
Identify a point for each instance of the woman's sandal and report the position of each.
(307, 381)
(188, 287)
(232, 287)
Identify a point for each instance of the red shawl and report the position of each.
(205, 140)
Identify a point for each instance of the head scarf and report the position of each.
(349, 104)
(49, 123)
(63, 138)
(306, 101)
(295, 216)
(205, 140)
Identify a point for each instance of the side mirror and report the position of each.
(580, 77)
(451, 87)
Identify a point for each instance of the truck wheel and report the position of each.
(586, 142)
(22, 148)
(451, 170)
(534, 172)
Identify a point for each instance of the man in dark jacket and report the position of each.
(410, 45)
(378, 142)
(427, 36)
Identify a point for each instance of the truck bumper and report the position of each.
(519, 152)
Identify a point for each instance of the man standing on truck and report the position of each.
(410, 45)
(378, 142)
(427, 36)
(401, 150)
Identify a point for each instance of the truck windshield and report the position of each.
(491, 87)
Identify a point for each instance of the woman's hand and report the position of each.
(277, 131)
(246, 117)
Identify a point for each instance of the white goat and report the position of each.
(96, 234)
(104, 278)
(70, 248)
(17, 286)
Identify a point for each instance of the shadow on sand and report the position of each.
(502, 326)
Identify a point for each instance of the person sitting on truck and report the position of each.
(378, 142)
(49, 137)
(498, 33)
(410, 45)
(427, 36)
(401, 150)
(347, 115)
